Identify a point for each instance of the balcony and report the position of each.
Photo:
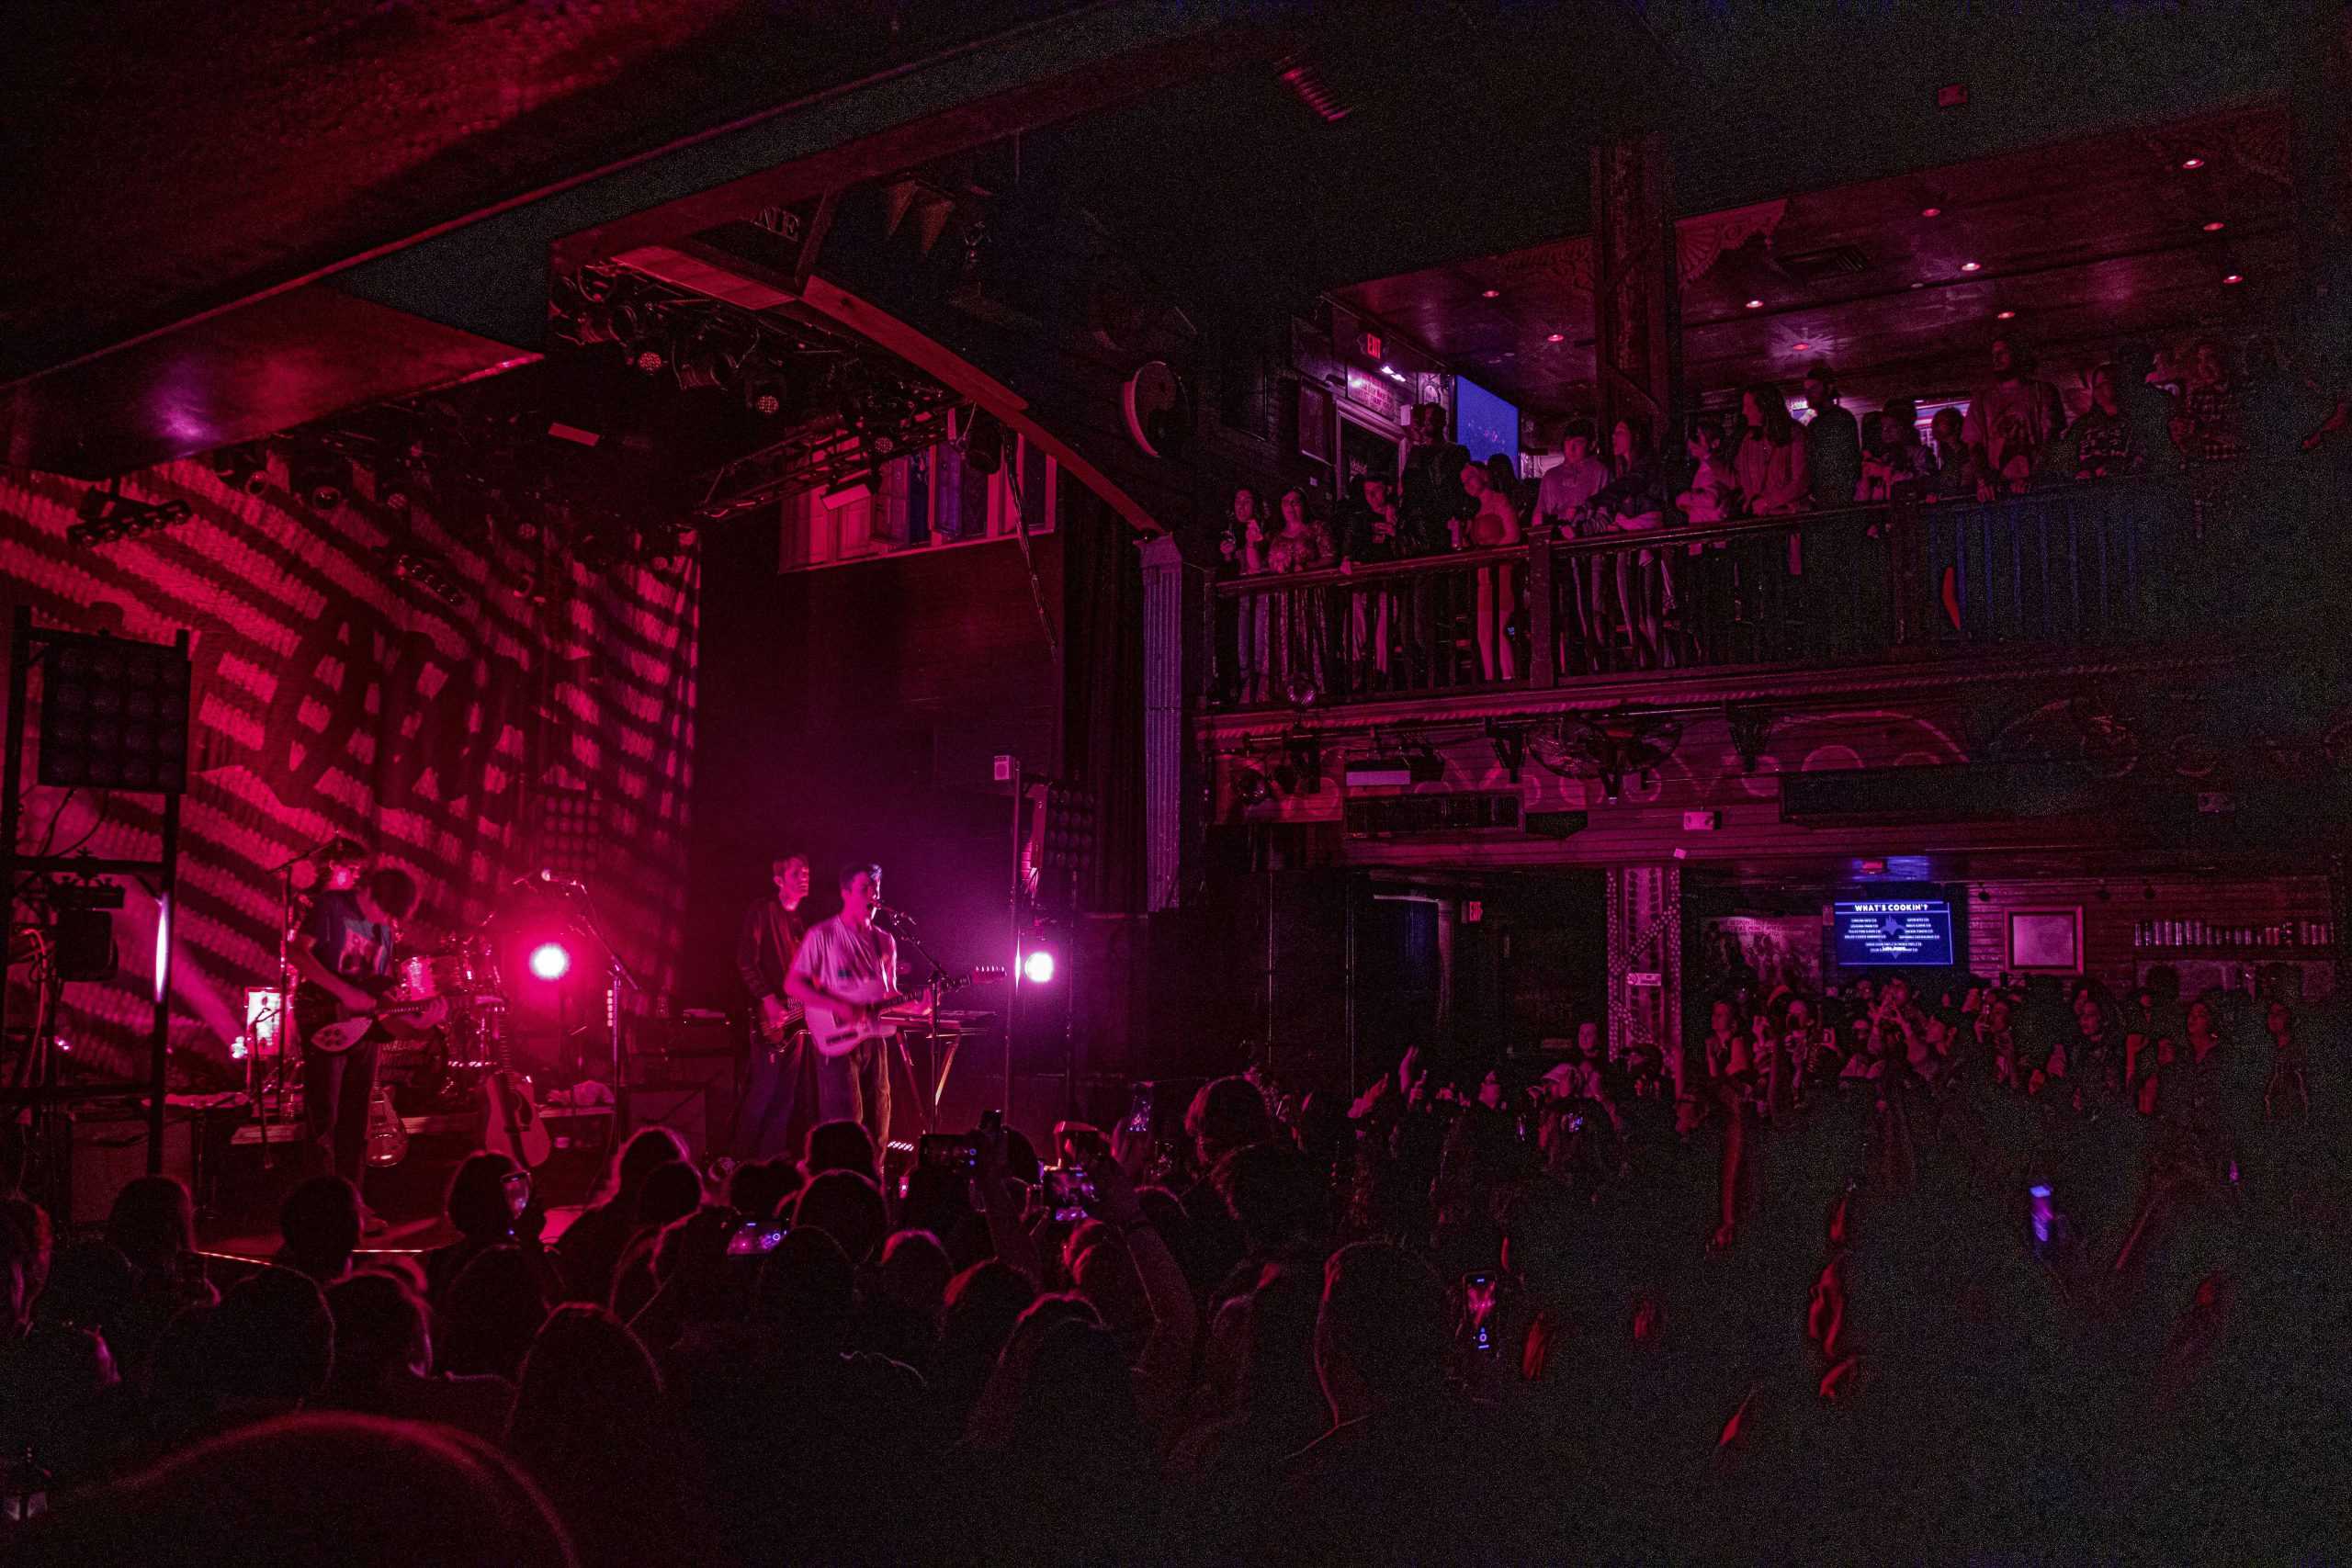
(2111, 566)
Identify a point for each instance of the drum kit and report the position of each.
(438, 1071)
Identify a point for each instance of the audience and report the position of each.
(319, 1224)
(1833, 444)
(2011, 420)
(2064, 1240)
(1771, 460)
(589, 1251)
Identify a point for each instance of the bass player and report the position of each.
(780, 1101)
(344, 956)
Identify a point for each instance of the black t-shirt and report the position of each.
(358, 949)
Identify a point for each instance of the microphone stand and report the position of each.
(927, 1091)
(617, 974)
(272, 1089)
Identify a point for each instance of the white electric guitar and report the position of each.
(838, 1033)
(345, 1032)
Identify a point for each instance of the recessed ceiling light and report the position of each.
(1918, 285)
(1556, 337)
(2004, 315)
(1801, 347)
(1932, 212)
(2234, 277)
(2192, 163)
(1756, 304)
(1970, 266)
(2215, 227)
(1491, 294)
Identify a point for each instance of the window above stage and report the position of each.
(933, 499)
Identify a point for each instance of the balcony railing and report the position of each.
(2107, 564)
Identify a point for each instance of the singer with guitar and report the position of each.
(779, 1101)
(848, 968)
(343, 954)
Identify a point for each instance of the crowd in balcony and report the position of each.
(1954, 1269)
(2189, 412)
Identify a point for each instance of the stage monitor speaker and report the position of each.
(109, 1152)
(693, 1111)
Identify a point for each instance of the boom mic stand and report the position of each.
(270, 1089)
(927, 1090)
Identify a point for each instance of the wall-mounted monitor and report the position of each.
(1483, 422)
(1888, 932)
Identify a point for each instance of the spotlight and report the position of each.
(241, 468)
(651, 355)
(1971, 266)
(1800, 347)
(1756, 304)
(707, 366)
(320, 479)
(763, 387)
(1038, 966)
(550, 961)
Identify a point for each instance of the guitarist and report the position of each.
(344, 956)
(843, 964)
(779, 1103)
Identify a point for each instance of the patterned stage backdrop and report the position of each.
(330, 697)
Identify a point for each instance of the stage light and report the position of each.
(2004, 315)
(550, 961)
(1756, 304)
(2215, 227)
(241, 468)
(1037, 966)
(707, 366)
(1491, 294)
(2234, 278)
(1971, 266)
(114, 715)
(1556, 337)
(1932, 212)
(320, 479)
(2192, 163)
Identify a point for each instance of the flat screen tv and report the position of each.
(1485, 423)
(1885, 932)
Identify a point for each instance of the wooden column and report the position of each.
(1636, 323)
(1176, 642)
(1644, 958)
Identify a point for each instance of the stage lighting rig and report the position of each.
(322, 479)
(107, 515)
(241, 468)
(428, 572)
(114, 713)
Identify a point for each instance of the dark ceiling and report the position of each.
(186, 161)
(2085, 241)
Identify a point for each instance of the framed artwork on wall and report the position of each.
(2046, 941)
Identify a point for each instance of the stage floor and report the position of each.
(239, 1238)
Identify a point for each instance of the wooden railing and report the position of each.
(2103, 564)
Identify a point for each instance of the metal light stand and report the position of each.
(23, 638)
(616, 975)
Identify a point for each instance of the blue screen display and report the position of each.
(1486, 423)
(1907, 931)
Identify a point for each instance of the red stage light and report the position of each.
(1037, 966)
(1932, 212)
(1490, 294)
(550, 961)
(2215, 227)
(1801, 347)
(2004, 315)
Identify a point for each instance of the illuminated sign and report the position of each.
(1894, 931)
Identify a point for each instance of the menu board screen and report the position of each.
(1911, 931)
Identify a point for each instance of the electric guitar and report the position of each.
(347, 1028)
(776, 1033)
(838, 1033)
(511, 1122)
(386, 1133)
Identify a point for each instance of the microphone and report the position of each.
(895, 917)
